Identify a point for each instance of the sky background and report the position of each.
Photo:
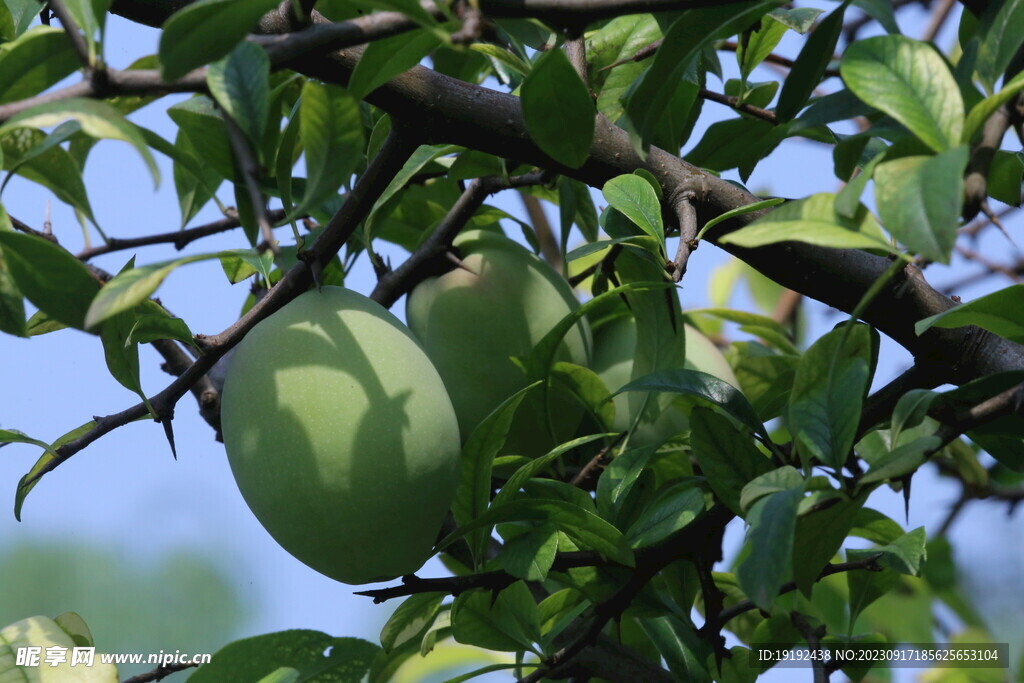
(131, 538)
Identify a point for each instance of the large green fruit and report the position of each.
(471, 320)
(341, 436)
(614, 348)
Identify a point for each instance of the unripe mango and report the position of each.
(341, 436)
(471, 320)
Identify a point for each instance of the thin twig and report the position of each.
(734, 103)
(178, 238)
(71, 29)
(937, 20)
(868, 563)
(424, 262)
(251, 172)
(542, 226)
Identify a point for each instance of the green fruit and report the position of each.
(614, 348)
(341, 436)
(471, 320)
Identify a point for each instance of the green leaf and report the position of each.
(54, 168)
(121, 355)
(51, 278)
(558, 111)
(48, 636)
(770, 562)
(506, 57)
(507, 624)
(35, 61)
(1000, 312)
(584, 528)
(920, 199)
(588, 389)
(770, 331)
(89, 16)
(192, 186)
(703, 386)
(685, 651)
(910, 411)
(526, 472)
(727, 458)
(410, 620)
(10, 436)
(12, 308)
(617, 41)
(529, 556)
(740, 211)
(828, 390)
(205, 31)
(818, 538)
(420, 158)
(410, 8)
(982, 111)
(241, 85)
(901, 461)
(811, 65)
(771, 482)
(814, 220)
(384, 59)
(760, 43)
(649, 99)
(1001, 32)
(97, 119)
(23, 12)
(200, 121)
(131, 287)
(151, 327)
(1005, 177)
(473, 491)
(909, 81)
(250, 659)
(668, 512)
(881, 11)
(332, 135)
(31, 478)
(634, 197)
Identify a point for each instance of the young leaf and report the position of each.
(151, 327)
(909, 81)
(634, 197)
(558, 111)
(813, 220)
(97, 119)
(51, 278)
(241, 85)
(920, 199)
(811, 64)
(205, 31)
(200, 121)
(31, 478)
(1000, 313)
(384, 59)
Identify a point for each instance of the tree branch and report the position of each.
(179, 238)
(382, 169)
